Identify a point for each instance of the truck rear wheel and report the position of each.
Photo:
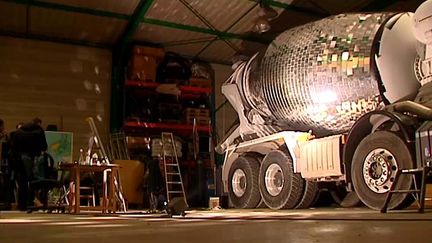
(376, 160)
(243, 182)
(279, 186)
(310, 195)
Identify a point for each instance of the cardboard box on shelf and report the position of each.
(142, 68)
(157, 53)
(135, 142)
(201, 116)
(143, 63)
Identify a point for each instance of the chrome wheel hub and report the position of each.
(239, 182)
(379, 170)
(274, 179)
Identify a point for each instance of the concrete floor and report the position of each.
(312, 225)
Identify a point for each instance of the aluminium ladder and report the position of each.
(173, 178)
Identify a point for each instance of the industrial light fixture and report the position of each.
(265, 14)
(262, 24)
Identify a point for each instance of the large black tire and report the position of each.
(344, 198)
(250, 196)
(310, 195)
(261, 204)
(351, 200)
(401, 155)
(289, 190)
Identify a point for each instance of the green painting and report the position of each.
(60, 146)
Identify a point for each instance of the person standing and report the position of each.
(29, 142)
(154, 184)
(12, 158)
(3, 141)
(2, 129)
(5, 192)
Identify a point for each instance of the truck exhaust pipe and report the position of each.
(413, 108)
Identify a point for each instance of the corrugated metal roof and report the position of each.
(248, 22)
(12, 17)
(173, 11)
(188, 49)
(218, 51)
(122, 6)
(75, 26)
(160, 34)
(222, 13)
(89, 21)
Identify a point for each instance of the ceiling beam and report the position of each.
(188, 42)
(55, 39)
(135, 20)
(221, 35)
(206, 22)
(208, 60)
(68, 8)
(103, 13)
(227, 29)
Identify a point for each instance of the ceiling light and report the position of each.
(262, 24)
(265, 14)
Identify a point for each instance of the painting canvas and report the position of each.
(60, 146)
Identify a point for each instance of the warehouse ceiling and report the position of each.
(212, 30)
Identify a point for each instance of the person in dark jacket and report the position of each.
(13, 153)
(154, 183)
(4, 138)
(5, 185)
(9, 159)
(2, 129)
(29, 142)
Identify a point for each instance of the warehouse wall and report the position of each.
(226, 115)
(61, 84)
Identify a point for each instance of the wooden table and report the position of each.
(110, 171)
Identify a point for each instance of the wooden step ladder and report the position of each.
(419, 194)
(173, 178)
(95, 144)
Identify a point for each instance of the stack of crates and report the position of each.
(202, 116)
(157, 148)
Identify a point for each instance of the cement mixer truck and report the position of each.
(344, 100)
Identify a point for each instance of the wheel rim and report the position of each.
(379, 170)
(274, 179)
(239, 182)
